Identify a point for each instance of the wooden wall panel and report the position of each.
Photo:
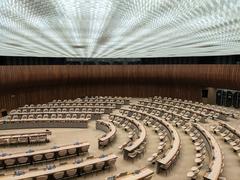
(21, 85)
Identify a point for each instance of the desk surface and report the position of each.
(61, 168)
(7, 136)
(176, 142)
(43, 151)
(137, 176)
(216, 163)
(142, 135)
(110, 126)
(230, 128)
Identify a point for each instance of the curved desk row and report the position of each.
(43, 123)
(110, 131)
(230, 128)
(158, 111)
(71, 170)
(32, 157)
(142, 134)
(156, 104)
(56, 112)
(52, 115)
(62, 106)
(91, 100)
(105, 99)
(197, 104)
(142, 174)
(24, 138)
(215, 154)
(172, 154)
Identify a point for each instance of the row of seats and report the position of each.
(183, 111)
(149, 121)
(32, 157)
(215, 153)
(43, 123)
(137, 140)
(94, 99)
(60, 115)
(78, 168)
(141, 174)
(110, 131)
(25, 138)
(67, 106)
(164, 160)
(229, 134)
(104, 98)
(178, 117)
(217, 109)
(205, 146)
(57, 110)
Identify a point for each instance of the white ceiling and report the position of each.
(119, 28)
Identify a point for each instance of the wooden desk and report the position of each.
(215, 154)
(19, 138)
(174, 106)
(141, 174)
(208, 107)
(172, 154)
(42, 155)
(139, 141)
(107, 127)
(142, 135)
(68, 107)
(230, 128)
(44, 123)
(65, 168)
(167, 161)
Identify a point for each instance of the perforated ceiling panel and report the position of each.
(119, 28)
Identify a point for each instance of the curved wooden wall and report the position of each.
(38, 84)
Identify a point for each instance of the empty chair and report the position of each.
(89, 116)
(84, 149)
(71, 172)
(60, 116)
(45, 116)
(10, 162)
(68, 116)
(49, 155)
(22, 160)
(24, 116)
(74, 116)
(38, 157)
(99, 166)
(111, 162)
(72, 151)
(53, 116)
(82, 116)
(43, 177)
(39, 116)
(58, 175)
(62, 153)
(88, 168)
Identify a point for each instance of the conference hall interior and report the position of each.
(120, 89)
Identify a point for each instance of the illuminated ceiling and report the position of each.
(119, 28)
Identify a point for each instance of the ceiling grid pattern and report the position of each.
(119, 28)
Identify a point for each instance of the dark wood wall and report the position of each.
(21, 85)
